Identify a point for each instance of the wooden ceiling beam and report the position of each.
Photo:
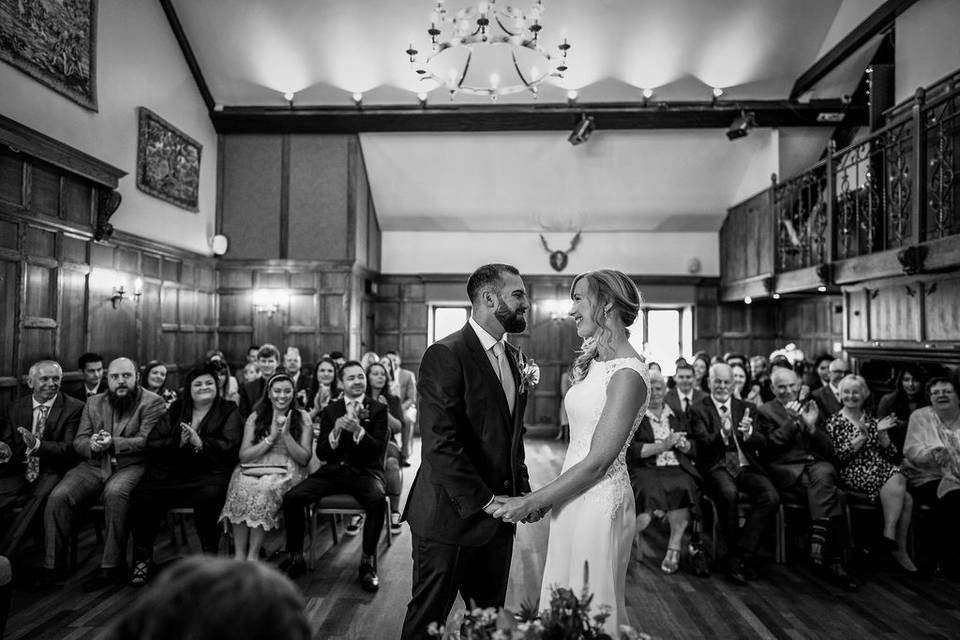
(545, 117)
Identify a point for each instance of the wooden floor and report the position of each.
(788, 603)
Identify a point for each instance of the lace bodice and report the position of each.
(584, 404)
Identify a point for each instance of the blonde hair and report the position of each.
(860, 380)
(605, 287)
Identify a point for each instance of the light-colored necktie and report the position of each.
(731, 457)
(33, 462)
(506, 377)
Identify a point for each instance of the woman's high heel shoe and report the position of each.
(671, 561)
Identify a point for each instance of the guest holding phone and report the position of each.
(868, 464)
(274, 453)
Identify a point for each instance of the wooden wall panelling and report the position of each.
(942, 310)
(893, 312)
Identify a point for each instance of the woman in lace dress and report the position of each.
(594, 521)
(275, 450)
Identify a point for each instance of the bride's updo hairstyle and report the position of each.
(606, 287)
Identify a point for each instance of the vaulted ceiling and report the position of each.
(251, 52)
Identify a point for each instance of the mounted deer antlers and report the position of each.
(558, 259)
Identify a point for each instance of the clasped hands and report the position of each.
(347, 423)
(514, 509)
(745, 427)
(189, 434)
(808, 412)
(677, 440)
(101, 441)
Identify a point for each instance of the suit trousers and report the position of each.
(441, 570)
(818, 483)
(367, 489)
(152, 499)
(31, 496)
(762, 498)
(81, 486)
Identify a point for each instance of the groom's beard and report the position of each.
(511, 321)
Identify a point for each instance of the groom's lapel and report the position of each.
(483, 365)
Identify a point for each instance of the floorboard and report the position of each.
(789, 603)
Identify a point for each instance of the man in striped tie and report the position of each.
(39, 429)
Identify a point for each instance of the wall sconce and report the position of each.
(120, 293)
(269, 301)
(556, 309)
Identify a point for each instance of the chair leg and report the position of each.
(183, 529)
(172, 527)
(780, 523)
(386, 524)
(312, 526)
(333, 529)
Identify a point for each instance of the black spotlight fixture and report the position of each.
(741, 125)
(581, 132)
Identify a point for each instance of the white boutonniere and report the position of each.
(529, 372)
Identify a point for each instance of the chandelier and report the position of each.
(488, 49)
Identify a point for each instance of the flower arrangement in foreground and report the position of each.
(568, 618)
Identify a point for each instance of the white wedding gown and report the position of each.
(596, 527)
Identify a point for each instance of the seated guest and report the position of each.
(352, 444)
(732, 358)
(685, 394)
(268, 359)
(379, 390)
(932, 458)
(39, 430)
(701, 366)
(325, 387)
(868, 464)
(827, 397)
(407, 391)
(229, 387)
(91, 368)
(728, 452)
(662, 473)
(204, 598)
(252, 352)
(293, 367)
(338, 358)
(743, 389)
(190, 456)
(273, 455)
(801, 460)
(368, 358)
(250, 373)
(821, 371)
(907, 397)
(112, 439)
(760, 371)
(154, 378)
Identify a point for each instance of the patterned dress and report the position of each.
(865, 470)
(255, 501)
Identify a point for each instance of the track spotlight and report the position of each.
(572, 96)
(422, 97)
(581, 132)
(741, 125)
(358, 99)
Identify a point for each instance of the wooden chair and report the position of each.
(336, 506)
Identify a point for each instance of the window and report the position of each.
(663, 334)
(446, 319)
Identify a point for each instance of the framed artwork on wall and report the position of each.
(54, 42)
(168, 161)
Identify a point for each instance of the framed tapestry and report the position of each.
(168, 161)
(53, 41)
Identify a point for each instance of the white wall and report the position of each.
(928, 45)
(640, 253)
(138, 64)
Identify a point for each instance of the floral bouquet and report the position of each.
(568, 618)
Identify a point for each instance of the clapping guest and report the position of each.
(827, 397)
(38, 430)
(268, 359)
(932, 458)
(685, 393)
(154, 377)
(867, 464)
(273, 455)
(407, 390)
(907, 397)
(325, 388)
(226, 383)
(293, 367)
(189, 460)
(662, 472)
(378, 389)
(701, 367)
(741, 383)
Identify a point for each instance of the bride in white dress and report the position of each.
(594, 519)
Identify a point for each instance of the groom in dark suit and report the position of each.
(472, 399)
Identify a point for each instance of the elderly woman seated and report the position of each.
(664, 479)
(868, 464)
(932, 457)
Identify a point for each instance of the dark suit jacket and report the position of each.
(789, 446)
(56, 443)
(364, 457)
(250, 394)
(79, 391)
(827, 402)
(644, 435)
(672, 400)
(220, 431)
(705, 425)
(129, 431)
(472, 445)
